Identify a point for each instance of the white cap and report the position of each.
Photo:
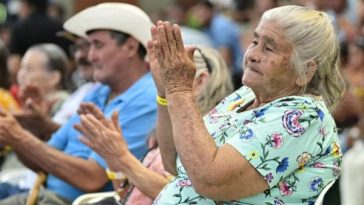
(121, 17)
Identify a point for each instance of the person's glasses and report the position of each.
(84, 47)
(206, 60)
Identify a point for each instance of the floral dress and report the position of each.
(291, 141)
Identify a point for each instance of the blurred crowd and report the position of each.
(45, 71)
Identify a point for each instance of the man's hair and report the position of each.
(121, 38)
(313, 39)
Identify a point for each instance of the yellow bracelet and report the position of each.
(161, 101)
(114, 175)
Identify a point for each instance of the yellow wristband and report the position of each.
(161, 101)
(114, 175)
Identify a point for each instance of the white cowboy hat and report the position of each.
(121, 17)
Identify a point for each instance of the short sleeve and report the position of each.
(282, 137)
(59, 138)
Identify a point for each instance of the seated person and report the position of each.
(43, 69)
(117, 52)
(273, 141)
(211, 84)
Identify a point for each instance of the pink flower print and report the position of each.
(319, 165)
(303, 159)
(213, 111)
(277, 140)
(184, 183)
(285, 189)
(291, 122)
(323, 132)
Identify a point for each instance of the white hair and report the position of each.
(313, 37)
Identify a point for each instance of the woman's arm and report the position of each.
(147, 181)
(105, 137)
(218, 173)
(164, 127)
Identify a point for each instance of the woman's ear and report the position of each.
(310, 70)
(200, 81)
(55, 78)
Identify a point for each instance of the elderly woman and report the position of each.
(43, 69)
(273, 141)
(210, 85)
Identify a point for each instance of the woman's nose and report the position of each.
(253, 54)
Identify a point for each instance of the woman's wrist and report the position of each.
(161, 101)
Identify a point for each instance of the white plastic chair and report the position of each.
(94, 197)
(320, 198)
(23, 177)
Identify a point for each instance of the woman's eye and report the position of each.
(268, 49)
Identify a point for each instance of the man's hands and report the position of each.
(103, 135)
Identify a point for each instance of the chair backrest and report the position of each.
(94, 197)
(22, 177)
(320, 198)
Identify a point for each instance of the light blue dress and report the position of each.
(291, 141)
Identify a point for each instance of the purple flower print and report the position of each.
(291, 122)
(277, 140)
(269, 177)
(282, 166)
(285, 189)
(316, 184)
(246, 134)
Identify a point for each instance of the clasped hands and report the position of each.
(171, 62)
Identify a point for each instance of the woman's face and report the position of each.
(267, 67)
(33, 71)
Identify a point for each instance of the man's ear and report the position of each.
(310, 70)
(132, 46)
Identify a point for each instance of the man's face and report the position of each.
(81, 50)
(107, 57)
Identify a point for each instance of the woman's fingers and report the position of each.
(162, 39)
(178, 37)
(170, 38)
